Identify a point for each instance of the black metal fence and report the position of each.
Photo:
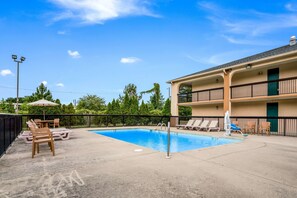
(10, 128)
(285, 126)
(91, 120)
(282, 126)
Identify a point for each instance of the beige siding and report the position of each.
(208, 110)
(256, 75)
(249, 109)
(208, 84)
(288, 70)
(250, 76)
(287, 108)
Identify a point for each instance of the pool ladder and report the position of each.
(161, 126)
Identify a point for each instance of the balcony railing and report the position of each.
(202, 95)
(265, 88)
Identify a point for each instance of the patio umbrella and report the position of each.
(43, 103)
(227, 124)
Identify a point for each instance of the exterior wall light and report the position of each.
(248, 66)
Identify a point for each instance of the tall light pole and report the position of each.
(14, 57)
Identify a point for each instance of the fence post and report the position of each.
(4, 135)
(257, 128)
(10, 128)
(68, 122)
(89, 120)
(168, 141)
(106, 122)
(285, 126)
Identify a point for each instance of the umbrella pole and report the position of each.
(43, 114)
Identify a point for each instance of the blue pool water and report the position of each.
(157, 140)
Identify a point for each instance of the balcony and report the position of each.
(273, 89)
(201, 96)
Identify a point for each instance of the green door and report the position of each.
(272, 111)
(273, 74)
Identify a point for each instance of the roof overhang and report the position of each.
(236, 66)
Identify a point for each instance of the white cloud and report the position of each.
(193, 58)
(44, 83)
(73, 54)
(219, 58)
(130, 60)
(98, 11)
(291, 7)
(247, 41)
(243, 26)
(5, 72)
(60, 85)
(61, 32)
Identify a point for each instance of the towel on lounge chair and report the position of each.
(235, 128)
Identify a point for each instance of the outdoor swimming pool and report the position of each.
(157, 140)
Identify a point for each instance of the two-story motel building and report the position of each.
(264, 84)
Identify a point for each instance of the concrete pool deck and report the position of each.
(91, 165)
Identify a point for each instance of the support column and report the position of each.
(174, 98)
(174, 102)
(227, 79)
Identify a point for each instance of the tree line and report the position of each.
(130, 102)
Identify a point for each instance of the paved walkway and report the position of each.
(90, 165)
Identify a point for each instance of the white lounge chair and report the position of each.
(203, 125)
(196, 124)
(58, 133)
(213, 126)
(184, 126)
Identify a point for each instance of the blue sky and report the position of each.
(80, 47)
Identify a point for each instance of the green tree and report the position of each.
(185, 111)
(126, 104)
(6, 107)
(113, 107)
(11, 100)
(91, 102)
(134, 105)
(156, 99)
(131, 90)
(41, 93)
(144, 109)
(130, 105)
(67, 120)
(68, 109)
(167, 108)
